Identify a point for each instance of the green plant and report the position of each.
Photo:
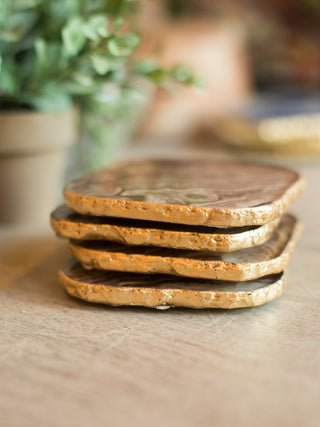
(58, 53)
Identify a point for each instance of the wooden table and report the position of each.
(68, 363)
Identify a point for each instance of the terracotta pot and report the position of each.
(32, 160)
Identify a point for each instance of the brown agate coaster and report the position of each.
(194, 192)
(247, 264)
(67, 223)
(160, 291)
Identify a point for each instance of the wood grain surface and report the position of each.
(247, 264)
(67, 223)
(199, 191)
(67, 363)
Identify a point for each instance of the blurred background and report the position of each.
(259, 60)
(84, 83)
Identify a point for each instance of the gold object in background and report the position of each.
(280, 124)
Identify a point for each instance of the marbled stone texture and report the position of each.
(190, 192)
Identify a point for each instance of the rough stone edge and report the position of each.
(166, 298)
(188, 215)
(164, 238)
(214, 270)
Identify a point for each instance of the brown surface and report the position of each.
(67, 223)
(247, 264)
(203, 192)
(114, 288)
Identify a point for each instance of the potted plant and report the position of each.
(65, 67)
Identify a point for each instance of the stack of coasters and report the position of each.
(192, 233)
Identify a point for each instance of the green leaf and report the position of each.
(96, 27)
(123, 46)
(100, 64)
(145, 67)
(18, 25)
(157, 76)
(61, 11)
(182, 74)
(41, 51)
(90, 32)
(52, 58)
(118, 22)
(83, 79)
(73, 87)
(9, 83)
(73, 36)
(25, 4)
(198, 82)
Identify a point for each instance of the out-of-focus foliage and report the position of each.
(54, 52)
(59, 53)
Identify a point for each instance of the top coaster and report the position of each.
(195, 192)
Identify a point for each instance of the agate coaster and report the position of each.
(67, 223)
(247, 264)
(160, 291)
(191, 192)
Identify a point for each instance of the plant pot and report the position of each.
(32, 162)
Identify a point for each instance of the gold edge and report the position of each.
(214, 270)
(153, 298)
(207, 241)
(202, 216)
